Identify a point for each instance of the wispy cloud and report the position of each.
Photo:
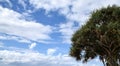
(13, 23)
(22, 2)
(67, 29)
(8, 2)
(32, 45)
(12, 37)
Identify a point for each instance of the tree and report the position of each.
(99, 37)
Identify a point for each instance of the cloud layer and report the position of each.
(74, 10)
(14, 24)
(23, 58)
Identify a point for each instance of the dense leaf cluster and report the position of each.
(99, 37)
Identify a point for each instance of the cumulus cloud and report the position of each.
(14, 24)
(50, 5)
(51, 51)
(74, 10)
(72, 7)
(15, 27)
(31, 58)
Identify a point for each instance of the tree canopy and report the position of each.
(99, 37)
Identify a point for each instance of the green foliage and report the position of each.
(99, 37)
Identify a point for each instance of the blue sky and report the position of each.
(38, 32)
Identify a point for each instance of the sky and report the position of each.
(38, 32)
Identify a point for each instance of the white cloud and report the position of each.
(67, 30)
(49, 5)
(31, 58)
(22, 2)
(14, 56)
(13, 23)
(51, 51)
(74, 10)
(78, 9)
(9, 37)
(32, 45)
